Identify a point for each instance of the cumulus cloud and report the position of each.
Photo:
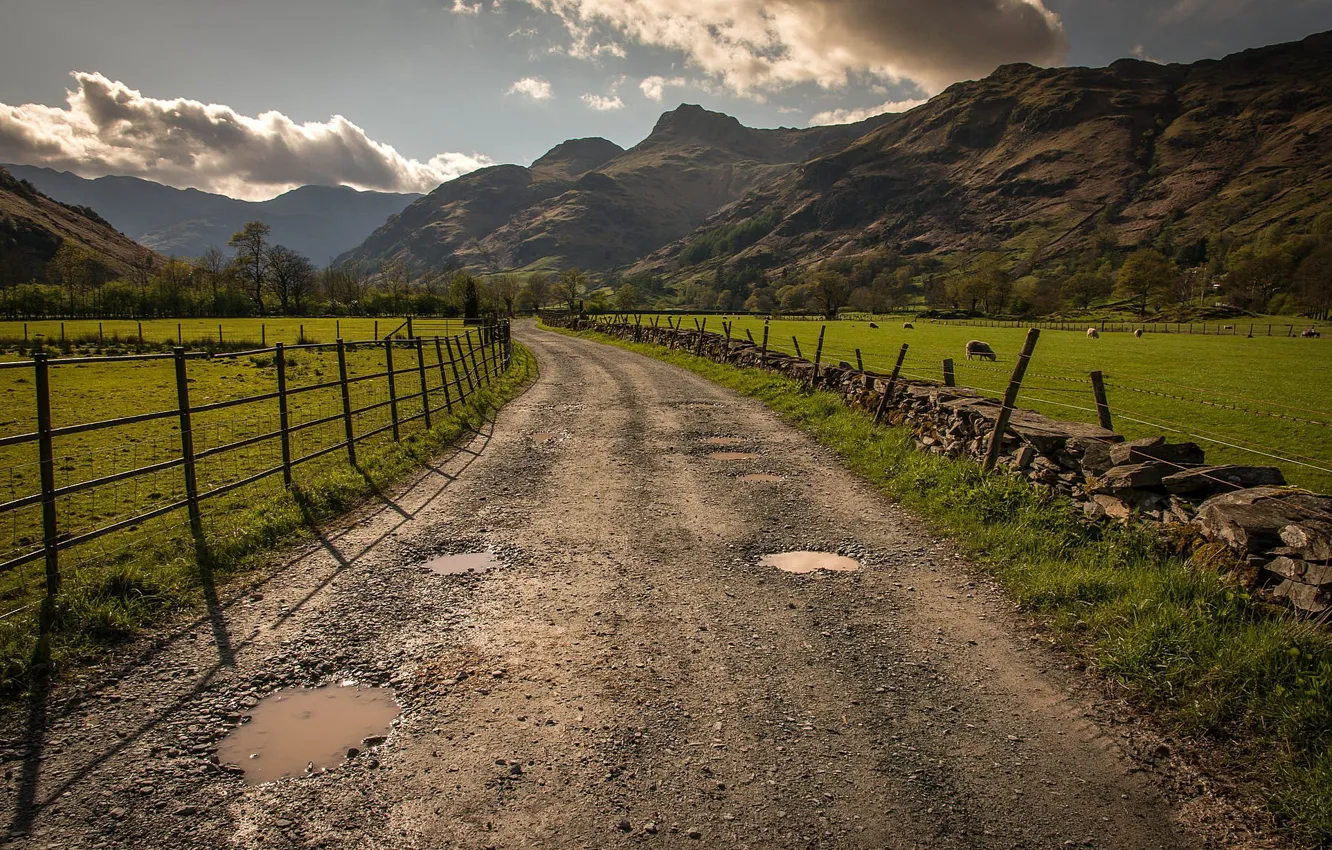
(851, 116)
(654, 88)
(533, 87)
(602, 103)
(754, 46)
(109, 128)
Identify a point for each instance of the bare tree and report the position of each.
(291, 276)
(504, 288)
(570, 285)
(251, 244)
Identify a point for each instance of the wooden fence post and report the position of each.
(410, 334)
(425, 392)
(392, 386)
(346, 403)
(950, 379)
(892, 385)
(1010, 399)
(765, 340)
(140, 333)
(219, 333)
(280, 359)
(46, 460)
(187, 453)
(818, 355)
(443, 378)
(263, 335)
(1102, 406)
(376, 329)
(180, 337)
(860, 362)
(796, 343)
(750, 336)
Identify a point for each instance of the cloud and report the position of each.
(534, 87)
(463, 8)
(601, 103)
(654, 88)
(851, 116)
(110, 128)
(754, 46)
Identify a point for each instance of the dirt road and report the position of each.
(630, 676)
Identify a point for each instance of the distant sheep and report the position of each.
(1228, 328)
(907, 326)
(1138, 333)
(976, 348)
(1311, 334)
(1093, 333)
(873, 325)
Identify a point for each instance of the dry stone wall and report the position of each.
(1284, 534)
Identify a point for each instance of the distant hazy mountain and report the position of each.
(592, 204)
(33, 227)
(318, 221)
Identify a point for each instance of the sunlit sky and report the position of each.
(251, 97)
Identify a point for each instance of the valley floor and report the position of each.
(631, 675)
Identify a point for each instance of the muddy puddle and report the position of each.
(762, 478)
(733, 456)
(810, 562)
(722, 441)
(543, 437)
(299, 727)
(464, 564)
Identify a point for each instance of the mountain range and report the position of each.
(317, 221)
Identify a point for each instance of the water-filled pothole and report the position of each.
(762, 478)
(463, 564)
(299, 729)
(810, 562)
(722, 441)
(733, 456)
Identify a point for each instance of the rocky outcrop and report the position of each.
(1284, 533)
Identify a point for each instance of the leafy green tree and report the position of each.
(570, 285)
(1082, 289)
(1145, 277)
(1313, 283)
(830, 291)
(626, 298)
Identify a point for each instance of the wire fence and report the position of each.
(205, 433)
(196, 333)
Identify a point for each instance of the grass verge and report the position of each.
(1182, 637)
(103, 604)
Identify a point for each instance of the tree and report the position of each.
(212, 265)
(291, 276)
(73, 267)
(1083, 288)
(569, 286)
(251, 245)
(830, 291)
(1313, 283)
(471, 299)
(626, 298)
(505, 289)
(1145, 277)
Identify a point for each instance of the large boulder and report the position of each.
(1156, 448)
(1134, 476)
(1261, 518)
(1203, 481)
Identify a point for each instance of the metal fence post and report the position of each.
(443, 378)
(425, 391)
(1102, 406)
(346, 403)
(46, 460)
(187, 453)
(392, 386)
(458, 375)
(892, 385)
(280, 359)
(1010, 398)
(471, 353)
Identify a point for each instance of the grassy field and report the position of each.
(1175, 633)
(193, 332)
(1260, 401)
(99, 576)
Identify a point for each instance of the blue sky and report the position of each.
(240, 96)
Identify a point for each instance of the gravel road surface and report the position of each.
(630, 676)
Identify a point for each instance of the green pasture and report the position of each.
(1260, 401)
(229, 332)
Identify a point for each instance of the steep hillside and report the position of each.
(318, 221)
(1037, 162)
(33, 227)
(591, 204)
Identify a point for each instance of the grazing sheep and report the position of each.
(873, 325)
(1228, 328)
(1093, 333)
(1311, 334)
(1138, 333)
(907, 326)
(976, 348)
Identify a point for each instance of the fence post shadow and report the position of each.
(39, 694)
